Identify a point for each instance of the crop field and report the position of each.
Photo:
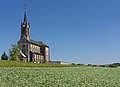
(59, 77)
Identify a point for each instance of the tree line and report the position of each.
(13, 53)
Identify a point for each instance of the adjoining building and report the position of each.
(31, 50)
(60, 62)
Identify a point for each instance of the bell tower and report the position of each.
(24, 39)
(25, 27)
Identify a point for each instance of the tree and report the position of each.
(14, 52)
(4, 56)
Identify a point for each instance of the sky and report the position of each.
(77, 31)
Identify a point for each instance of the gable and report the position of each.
(23, 40)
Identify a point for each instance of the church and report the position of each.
(31, 50)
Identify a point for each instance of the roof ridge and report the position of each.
(37, 42)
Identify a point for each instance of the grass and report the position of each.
(23, 64)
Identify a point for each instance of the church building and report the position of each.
(31, 50)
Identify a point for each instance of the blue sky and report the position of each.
(79, 31)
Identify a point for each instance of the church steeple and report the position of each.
(25, 27)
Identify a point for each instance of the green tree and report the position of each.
(4, 56)
(14, 52)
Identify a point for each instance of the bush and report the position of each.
(4, 56)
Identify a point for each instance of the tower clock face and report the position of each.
(23, 25)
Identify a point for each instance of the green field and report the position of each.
(59, 77)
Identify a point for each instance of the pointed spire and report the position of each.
(25, 18)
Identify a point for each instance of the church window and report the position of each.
(22, 50)
(31, 45)
(23, 46)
